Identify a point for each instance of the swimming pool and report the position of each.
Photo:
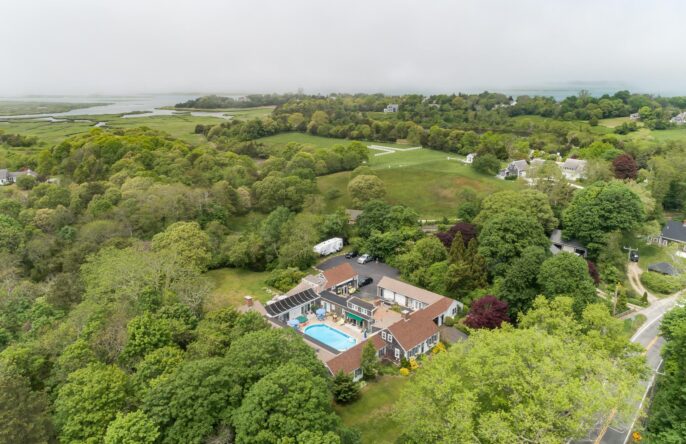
(330, 336)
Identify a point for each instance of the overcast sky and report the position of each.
(142, 46)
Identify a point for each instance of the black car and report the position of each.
(351, 254)
(633, 256)
(364, 280)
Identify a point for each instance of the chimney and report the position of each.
(248, 301)
(405, 314)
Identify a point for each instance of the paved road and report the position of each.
(648, 335)
(375, 270)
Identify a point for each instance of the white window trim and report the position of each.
(383, 335)
(397, 353)
(390, 337)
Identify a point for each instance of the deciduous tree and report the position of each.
(284, 404)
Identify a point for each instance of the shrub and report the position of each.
(660, 283)
(448, 321)
(404, 371)
(344, 388)
(413, 364)
(26, 182)
(283, 279)
(404, 363)
(439, 348)
(333, 193)
(487, 164)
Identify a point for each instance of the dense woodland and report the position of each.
(105, 337)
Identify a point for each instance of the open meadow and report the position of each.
(181, 126)
(18, 107)
(230, 285)
(422, 179)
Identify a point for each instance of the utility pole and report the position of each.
(629, 249)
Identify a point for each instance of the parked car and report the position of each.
(364, 259)
(633, 256)
(364, 280)
(351, 254)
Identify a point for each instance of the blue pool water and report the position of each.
(330, 336)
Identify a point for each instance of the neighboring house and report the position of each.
(573, 169)
(634, 116)
(679, 119)
(4, 177)
(663, 268)
(673, 231)
(559, 245)
(470, 158)
(391, 108)
(516, 168)
(10, 177)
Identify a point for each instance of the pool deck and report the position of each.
(326, 355)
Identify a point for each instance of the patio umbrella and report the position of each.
(320, 312)
(293, 323)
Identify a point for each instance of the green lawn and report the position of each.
(237, 113)
(317, 141)
(372, 413)
(232, 284)
(613, 122)
(50, 133)
(644, 134)
(424, 180)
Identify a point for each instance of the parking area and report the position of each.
(375, 270)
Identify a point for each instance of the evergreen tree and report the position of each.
(370, 361)
(345, 390)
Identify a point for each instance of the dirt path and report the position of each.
(634, 274)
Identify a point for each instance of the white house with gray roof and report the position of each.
(516, 168)
(9, 177)
(573, 169)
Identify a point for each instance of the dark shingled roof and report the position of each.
(336, 299)
(674, 230)
(360, 303)
(290, 302)
(663, 267)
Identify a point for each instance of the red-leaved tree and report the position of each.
(467, 230)
(625, 167)
(593, 271)
(487, 312)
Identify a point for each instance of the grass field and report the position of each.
(613, 122)
(372, 413)
(231, 284)
(237, 113)
(50, 133)
(317, 141)
(424, 180)
(17, 108)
